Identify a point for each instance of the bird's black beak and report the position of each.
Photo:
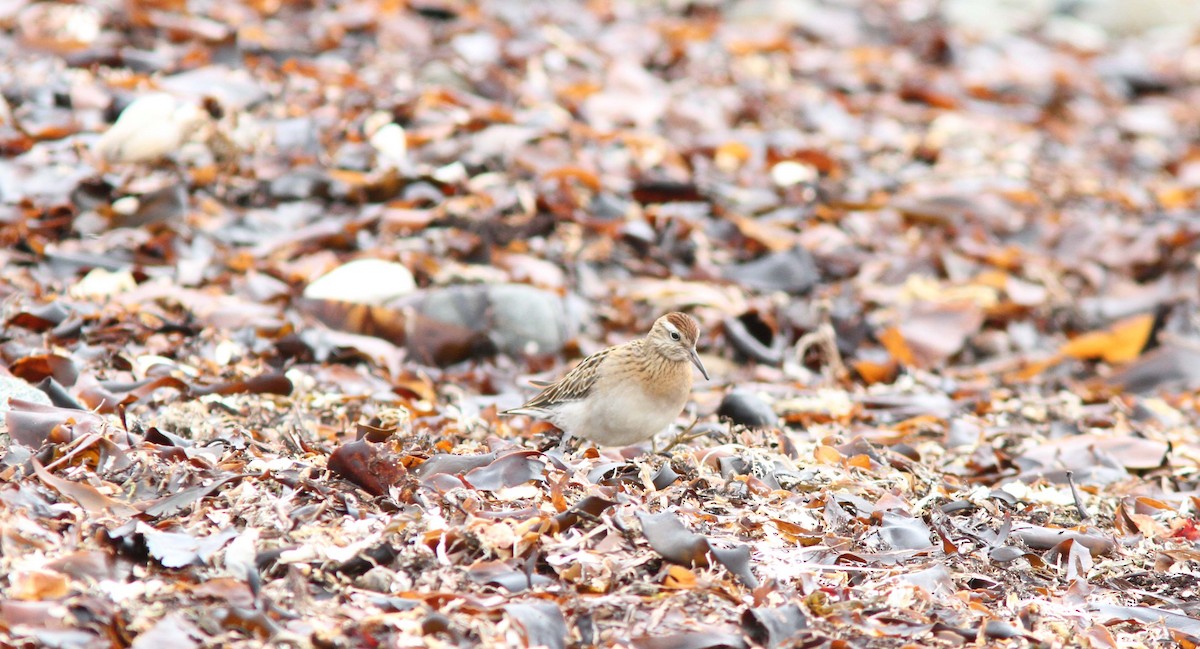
(698, 364)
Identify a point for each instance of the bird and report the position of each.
(627, 393)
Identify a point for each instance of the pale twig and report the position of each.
(824, 338)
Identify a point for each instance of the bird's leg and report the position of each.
(568, 444)
(682, 437)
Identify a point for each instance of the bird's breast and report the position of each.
(631, 406)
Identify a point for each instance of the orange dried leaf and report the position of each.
(731, 155)
(678, 577)
(397, 215)
(918, 424)
(1023, 196)
(1150, 506)
(1010, 258)
(205, 175)
(746, 47)
(872, 373)
(927, 95)
(1120, 343)
(790, 528)
(1176, 198)
(794, 533)
(350, 177)
(571, 573)
(996, 279)
(578, 91)
(1147, 526)
(33, 585)
(772, 237)
(893, 341)
(575, 173)
(419, 386)
(860, 461)
(827, 455)
(1032, 369)
(685, 32)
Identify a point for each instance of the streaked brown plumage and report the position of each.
(625, 394)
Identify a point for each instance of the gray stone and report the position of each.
(747, 409)
(295, 134)
(791, 271)
(460, 322)
(377, 579)
(234, 89)
(527, 319)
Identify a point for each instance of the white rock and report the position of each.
(1122, 17)
(1076, 33)
(149, 129)
(101, 283)
(363, 281)
(391, 143)
(451, 174)
(126, 205)
(993, 19)
(1148, 120)
(790, 172)
(12, 387)
(477, 48)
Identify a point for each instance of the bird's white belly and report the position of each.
(626, 415)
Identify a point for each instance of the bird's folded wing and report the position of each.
(532, 412)
(572, 387)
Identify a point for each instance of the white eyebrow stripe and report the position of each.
(670, 327)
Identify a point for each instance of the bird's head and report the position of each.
(674, 336)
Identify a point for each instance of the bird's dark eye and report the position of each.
(674, 335)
